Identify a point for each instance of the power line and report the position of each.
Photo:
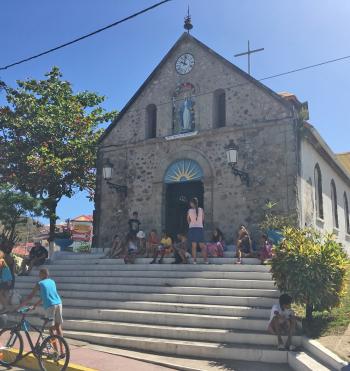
(249, 82)
(86, 36)
(305, 68)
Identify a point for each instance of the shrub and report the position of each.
(83, 248)
(311, 267)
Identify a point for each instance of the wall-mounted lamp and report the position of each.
(107, 171)
(232, 159)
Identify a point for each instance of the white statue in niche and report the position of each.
(186, 114)
(183, 108)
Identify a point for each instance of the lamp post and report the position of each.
(232, 159)
(107, 172)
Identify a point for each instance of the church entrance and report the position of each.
(178, 196)
(183, 181)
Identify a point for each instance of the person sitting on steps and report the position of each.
(283, 321)
(131, 247)
(141, 243)
(37, 256)
(116, 250)
(244, 245)
(152, 243)
(266, 249)
(164, 248)
(216, 246)
(180, 249)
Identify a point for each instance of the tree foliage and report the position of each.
(48, 138)
(311, 267)
(15, 207)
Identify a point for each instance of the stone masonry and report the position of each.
(257, 119)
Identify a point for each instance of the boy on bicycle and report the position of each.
(51, 301)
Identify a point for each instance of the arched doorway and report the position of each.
(183, 180)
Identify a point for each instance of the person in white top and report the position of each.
(283, 321)
(195, 218)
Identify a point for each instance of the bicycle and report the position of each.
(46, 348)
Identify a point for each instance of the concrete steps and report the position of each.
(118, 264)
(185, 348)
(158, 289)
(231, 336)
(96, 272)
(145, 281)
(220, 310)
(96, 296)
(200, 261)
(217, 311)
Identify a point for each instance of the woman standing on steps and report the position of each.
(195, 218)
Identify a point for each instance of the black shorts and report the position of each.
(40, 262)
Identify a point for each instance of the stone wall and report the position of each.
(256, 119)
(309, 158)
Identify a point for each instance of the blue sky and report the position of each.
(114, 63)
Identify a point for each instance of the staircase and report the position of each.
(215, 311)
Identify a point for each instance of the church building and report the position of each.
(201, 127)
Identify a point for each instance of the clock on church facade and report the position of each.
(169, 144)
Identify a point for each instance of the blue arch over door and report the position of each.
(184, 170)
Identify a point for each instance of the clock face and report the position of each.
(184, 63)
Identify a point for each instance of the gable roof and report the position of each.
(185, 36)
(344, 159)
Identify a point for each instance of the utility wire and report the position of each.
(248, 82)
(305, 68)
(86, 36)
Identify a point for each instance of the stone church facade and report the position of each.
(169, 144)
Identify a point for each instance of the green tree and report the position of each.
(311, 267)
(15, 208)
(48, 138)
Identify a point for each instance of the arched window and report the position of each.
(219, 112)
(346, 211)
(151, 125)
(318, 192)
(334, 204)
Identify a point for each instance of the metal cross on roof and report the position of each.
(248, 53)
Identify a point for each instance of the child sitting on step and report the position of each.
(180, 249)
(165, 248)
(131, 245)
(266, 249)
(283, 322)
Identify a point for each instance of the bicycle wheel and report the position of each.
(11, 347)
(54, 350)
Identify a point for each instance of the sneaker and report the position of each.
(291, 348)
(194, 262)
(281, 347)
(153, 261)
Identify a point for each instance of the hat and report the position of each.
(140, 234)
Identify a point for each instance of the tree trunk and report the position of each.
(309, 310)
(53, 218)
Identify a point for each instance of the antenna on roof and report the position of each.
(188, 25)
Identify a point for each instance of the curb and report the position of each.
(325, 355)
(31, 362)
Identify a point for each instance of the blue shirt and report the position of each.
(6, 275)
(48, 293)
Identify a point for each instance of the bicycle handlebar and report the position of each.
(25, 309)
